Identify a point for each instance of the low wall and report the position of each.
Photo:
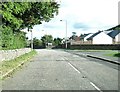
(11, 54)
(96, 47)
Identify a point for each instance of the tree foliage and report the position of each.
(43, 42)
(11, 12)
(47, 39)
(57, 41)
(37, 43)
(19, 15)
(73, 36)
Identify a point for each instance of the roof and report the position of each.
(114, 28)
(113, 33)
(83, 36)
(92, 36)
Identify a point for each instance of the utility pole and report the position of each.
(31, 39)
(65, 33)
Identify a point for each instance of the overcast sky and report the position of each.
(83, 16)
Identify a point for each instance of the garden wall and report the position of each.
(11, 54)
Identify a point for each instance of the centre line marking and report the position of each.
(90, 82)
(74, 68)
(95, 86)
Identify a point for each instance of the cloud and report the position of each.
(80, 26)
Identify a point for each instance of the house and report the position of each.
(82, 37)
(77, 38)
(114, 34)
(109, 36)
(85, 38)
(118, 39)
(100, 37)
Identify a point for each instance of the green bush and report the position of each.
(12, 40)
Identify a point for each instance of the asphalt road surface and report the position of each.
(82, 54)
(59, 70)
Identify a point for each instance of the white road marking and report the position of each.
(90, 82)
(74, 68)
(95, 86)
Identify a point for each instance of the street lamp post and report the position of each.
(65, 33)
(31, 39)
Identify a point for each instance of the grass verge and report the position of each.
(88, 50)
(11, 65)
(113, 54)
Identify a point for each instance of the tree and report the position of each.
(39, 11)
(73, 33)
(11, 12)
(73, 36)
(20, 15)
(57, 41)
(37, 43)
(47, 39)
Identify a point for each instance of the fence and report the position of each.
(96, 47)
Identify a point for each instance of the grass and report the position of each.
(110, 53)
(11, 64)
(117, 55)
(113, 54)
(91, 50)
(86, 50)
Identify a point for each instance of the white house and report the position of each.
(100, 37)
(115, 35)
(114, 32)
(117, 38)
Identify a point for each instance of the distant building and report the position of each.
(49, 44)
(109, 36)
(77, 38)
(100, 37)
(118, 39)
(82, 37)
(85, 36)
(114, 32)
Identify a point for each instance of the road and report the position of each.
(97, 53)
(59, 70)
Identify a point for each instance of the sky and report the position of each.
(82, 16)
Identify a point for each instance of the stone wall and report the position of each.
(11, 54)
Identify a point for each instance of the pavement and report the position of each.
(60, 70)
(99, 55)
